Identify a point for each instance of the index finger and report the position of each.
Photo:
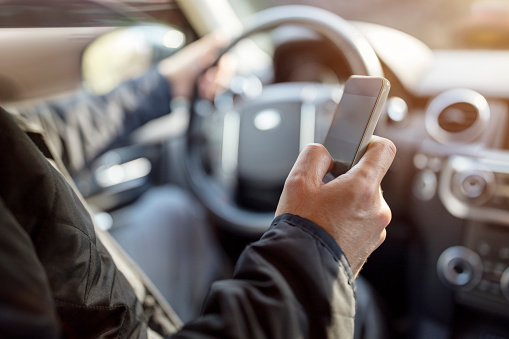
(313, 163)
(378, 158)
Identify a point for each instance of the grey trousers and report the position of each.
(167, 234)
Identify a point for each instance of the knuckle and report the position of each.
(367, 182)
(363, 178)
(316, 148)
(385, 216)
(296, 181)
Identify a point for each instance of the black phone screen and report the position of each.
(348, 127)
(355, 119)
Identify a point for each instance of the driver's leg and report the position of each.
(166, 233)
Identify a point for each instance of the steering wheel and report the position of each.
(260, 155)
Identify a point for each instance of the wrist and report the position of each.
(320, 235)
(167, 69)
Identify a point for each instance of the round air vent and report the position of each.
(457, 116)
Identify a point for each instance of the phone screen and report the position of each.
(348, 127)
(356, 113)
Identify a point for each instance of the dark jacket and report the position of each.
(58, 279)
(83, 126)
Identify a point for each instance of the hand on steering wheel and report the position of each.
(183, 68)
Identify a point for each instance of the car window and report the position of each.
(41, 38)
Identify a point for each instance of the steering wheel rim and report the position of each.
(359, 55)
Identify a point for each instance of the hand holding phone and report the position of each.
(355, 120)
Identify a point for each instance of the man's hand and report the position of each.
(183, 68)
(350, 207)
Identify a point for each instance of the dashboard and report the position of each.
(448, 187)
(457, 174)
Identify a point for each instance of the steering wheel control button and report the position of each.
(425, 185)
(267, 120)
(457, 116)
(460, 267)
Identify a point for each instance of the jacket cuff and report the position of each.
(319, 234)
(163, 83)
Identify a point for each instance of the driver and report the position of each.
(165, 231)
(297, 281)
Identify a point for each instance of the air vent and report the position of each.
(457, 116)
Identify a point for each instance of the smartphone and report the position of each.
(355, 120)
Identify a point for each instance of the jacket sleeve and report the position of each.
(27, 309)
(85, 125)
(293, 283)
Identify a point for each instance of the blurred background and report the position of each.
(440, 24)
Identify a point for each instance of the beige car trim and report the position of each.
(209, 15)
(58, 49)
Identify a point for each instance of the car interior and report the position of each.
(443, 271)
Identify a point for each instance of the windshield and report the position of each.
(441, 24)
